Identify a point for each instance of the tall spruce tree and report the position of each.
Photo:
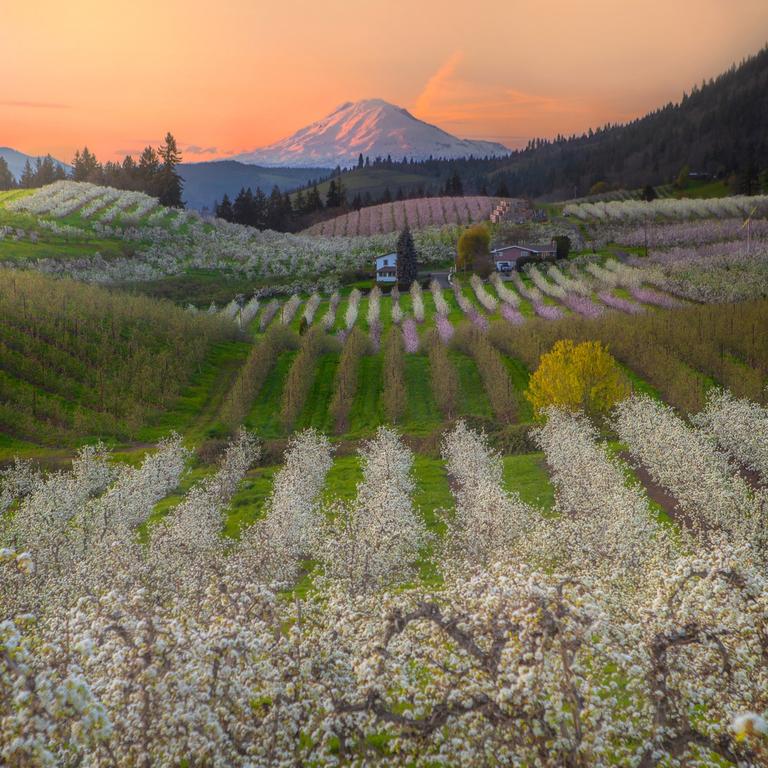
(224, 209)
(148, 170)
(407, 259)
(6, 177)
(27, 180)
(170, 184)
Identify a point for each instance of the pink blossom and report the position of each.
(410, 335)
(444, 328)
(581, 305)
(509, 313)
(616, 302)
(647, 296)
(547, 311)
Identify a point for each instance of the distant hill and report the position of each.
(206, 182)
(718, 130)
(373, 128)
(16, 161)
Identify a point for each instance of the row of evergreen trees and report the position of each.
(45, 170)
(154, 173)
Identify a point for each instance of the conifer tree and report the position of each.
(224, 209)
(148, 169)
(170, 184)
(27, 177)
(6, 177)
(407, 259)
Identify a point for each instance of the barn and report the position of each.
(509, 257)
(386, 268)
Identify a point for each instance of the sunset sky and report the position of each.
(234, 75)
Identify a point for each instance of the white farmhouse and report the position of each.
(386, 268)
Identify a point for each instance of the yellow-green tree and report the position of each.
(474, 250)
(577, 377)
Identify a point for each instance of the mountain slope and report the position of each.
(16, 161)
(373, 128)
(205, 183)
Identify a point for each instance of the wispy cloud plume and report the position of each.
(436, 85)
(194, 149)
(482, 110)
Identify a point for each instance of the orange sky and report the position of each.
(233, 75)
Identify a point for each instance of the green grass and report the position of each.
(195, 413)
(472, 398)
(342, 479)
(315, 412)
(432, 493)
(422, 414)
(527, 475)
(367, 412)
(248, 503)
(264, 417)
(519, 376)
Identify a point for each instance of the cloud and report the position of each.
(493, 111)
(436, 84)
(34, 105)
(193, 149)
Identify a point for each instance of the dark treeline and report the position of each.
(290, 213)
(45, 170)
(154, 173)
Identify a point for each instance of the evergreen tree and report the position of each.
(332, 198)
(502, 190)
(407, 259)
(27, 180)
(224, 209)
(243, 210)
(148, 170)
(649, 193)
(314, 201)
(85, 167)
(300, 204)
(360, 161)
(170, 184)
(6, 177)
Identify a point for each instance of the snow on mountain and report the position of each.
(16, 161)
(372, 127)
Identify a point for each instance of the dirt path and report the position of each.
(655, 492)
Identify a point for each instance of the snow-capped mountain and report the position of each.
(373, 128)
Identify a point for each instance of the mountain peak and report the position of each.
(373, 128)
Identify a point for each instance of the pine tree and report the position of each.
(332, 199)
(407, 259)
(224, 209)
(148, 169)
(28, 176)
(6, 177)
(85, 167)
(170, 184)
(502, 190)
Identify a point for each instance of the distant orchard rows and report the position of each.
(669, 208)
(417, 214)
(550, 292)
(170, 242)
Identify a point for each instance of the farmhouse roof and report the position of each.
(524, 247)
